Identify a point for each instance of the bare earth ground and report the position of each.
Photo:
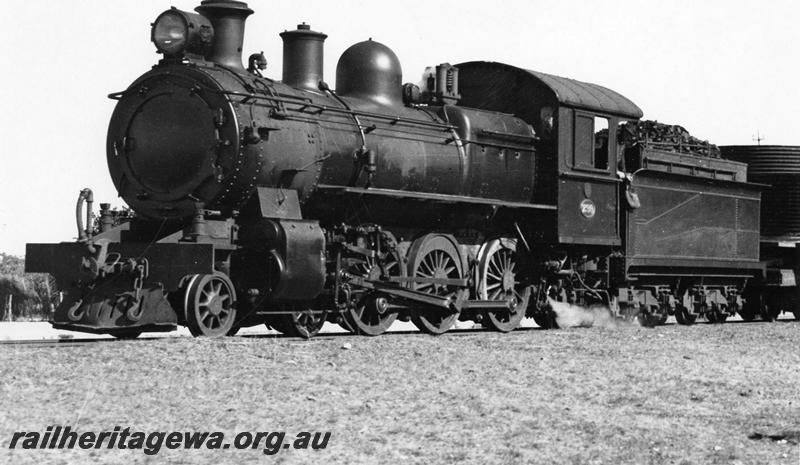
(683, 395)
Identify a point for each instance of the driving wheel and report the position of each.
(435, 257)
(498, 280)
(373, 256)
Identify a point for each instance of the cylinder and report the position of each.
(779, 167)
(303, 55)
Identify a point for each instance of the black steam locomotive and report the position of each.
(480, 195)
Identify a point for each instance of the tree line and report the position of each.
(28, 296)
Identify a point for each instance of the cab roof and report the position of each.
(566, 91)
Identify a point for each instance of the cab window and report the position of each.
(600, 143)
(591, 142)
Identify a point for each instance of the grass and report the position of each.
(682, 395)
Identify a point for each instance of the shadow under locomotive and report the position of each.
(477, 196)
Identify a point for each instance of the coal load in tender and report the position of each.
(666, 137)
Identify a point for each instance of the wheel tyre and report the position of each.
(210, 305)
(433, 322)
(367, 320)
(504, 321)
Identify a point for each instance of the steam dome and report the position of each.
(370, 70)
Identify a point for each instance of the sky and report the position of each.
(725, 70)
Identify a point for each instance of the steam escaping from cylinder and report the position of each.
(575, 316)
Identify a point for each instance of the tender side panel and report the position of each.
(693, 222)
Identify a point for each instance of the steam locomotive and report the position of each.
(481, 194)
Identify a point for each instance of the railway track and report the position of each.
(460, 332)
(66, 342)
(76, 342)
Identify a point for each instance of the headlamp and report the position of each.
(176, 32)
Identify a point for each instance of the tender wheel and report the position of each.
(769, 314)
(126, 333)
(751, 306)
(683, 316)
(210, 305)
(715, 316)
(746, 315)
(369, 313)
(435, 256)
(497, 275)
(756, 304)
(770, 310)
(651, 317)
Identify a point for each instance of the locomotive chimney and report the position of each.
(303, 57)
(228, 18)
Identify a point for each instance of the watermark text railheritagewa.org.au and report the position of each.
(151, 443)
